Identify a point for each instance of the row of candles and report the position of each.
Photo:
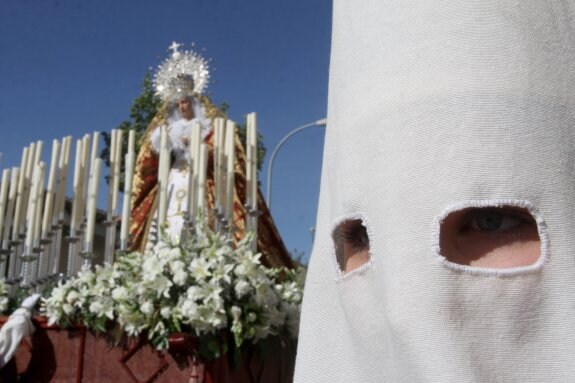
(32, 209)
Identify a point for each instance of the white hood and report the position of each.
(437, 105)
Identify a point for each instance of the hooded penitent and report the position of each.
(436, 108)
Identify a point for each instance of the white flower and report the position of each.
(199, 268)
(180, 276)
(242, 287)
(147, 308)
(102, 307)
(165, 312)
(72, 297)
(120, 293)
(189, 309)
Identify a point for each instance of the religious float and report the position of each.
(189, 282)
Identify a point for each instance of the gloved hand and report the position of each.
(30, 302)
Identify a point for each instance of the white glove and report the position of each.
(30, 302)
(18, 326)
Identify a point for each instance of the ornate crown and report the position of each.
(182, 74)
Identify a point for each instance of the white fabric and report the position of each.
(18, 326)
(434, 105)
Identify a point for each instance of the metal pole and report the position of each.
(322, 122)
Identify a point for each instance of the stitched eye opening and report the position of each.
(351, 245)
(495, 237)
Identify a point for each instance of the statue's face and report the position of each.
(185, 107)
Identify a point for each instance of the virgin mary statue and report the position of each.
(180, 81)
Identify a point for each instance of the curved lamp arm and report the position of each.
(322, 122)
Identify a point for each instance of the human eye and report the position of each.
(494, 237)
(352, 244)
(495, 220)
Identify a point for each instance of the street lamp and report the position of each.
(322, 122)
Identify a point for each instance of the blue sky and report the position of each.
(70, 67)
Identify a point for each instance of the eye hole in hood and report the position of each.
(496, 237)
(351, 242)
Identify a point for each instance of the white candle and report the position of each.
(20, 194)
(63, 165)
(249, 174)
(127, 205)
(195, 141)
(31, 213)
(112, 179)
(93, 154)
(92, 200)
(253, 148)
(39, 204)
(77, 189)
(84, 178)
(117, 167)
(4, 198)
(38, 151)
(131, 141)
(163, 176)
(10, 206)
(230, 156)
(30, 163)
(203, 164)
(222, 167)
(218, 130)
(95, 142)
(50, 190)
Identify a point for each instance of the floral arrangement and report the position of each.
(203, 286)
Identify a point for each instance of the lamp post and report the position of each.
(322, 122)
